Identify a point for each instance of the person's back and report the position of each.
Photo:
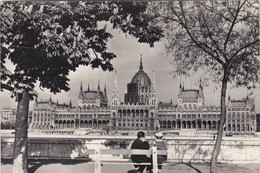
(160, 144)
(141, 143)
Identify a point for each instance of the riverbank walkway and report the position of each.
(68, 166)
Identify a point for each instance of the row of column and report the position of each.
(81, 124)
(170, 125)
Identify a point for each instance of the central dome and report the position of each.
(141, 77)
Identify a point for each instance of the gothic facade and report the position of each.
(140, 110)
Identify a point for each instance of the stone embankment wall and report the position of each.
(244, 150)
(200, 150)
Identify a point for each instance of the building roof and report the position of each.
(141, 77)
(190, 93)
(242, 103)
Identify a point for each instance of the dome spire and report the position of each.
(141, 63)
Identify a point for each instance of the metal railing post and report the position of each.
(97, 161)
(155, 163)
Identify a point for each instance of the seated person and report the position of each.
(160, 144)
(141, 143)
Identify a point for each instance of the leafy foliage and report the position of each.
(213, 35)
(46, 40)
(220, 37)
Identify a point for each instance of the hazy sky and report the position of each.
(128, 52)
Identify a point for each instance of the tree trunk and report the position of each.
(216, 150)
(21, 136)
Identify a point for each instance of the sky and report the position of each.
(128, 51)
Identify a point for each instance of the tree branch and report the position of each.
(242, 48)
(233, 23)
(6, 87)
(212, 39)
(199, 45)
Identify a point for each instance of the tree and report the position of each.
(47, 40)
(220, 37)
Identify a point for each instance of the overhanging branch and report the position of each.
(242, 48)
(6, 87)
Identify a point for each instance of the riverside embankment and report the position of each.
(180, 149)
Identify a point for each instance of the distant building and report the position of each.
(8, 117)
(141, 111)
(241, 115)
(91, 98)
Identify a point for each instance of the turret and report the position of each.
(35, 103)
(153, 99)
(115, 96)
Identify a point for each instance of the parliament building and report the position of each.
(141, 110)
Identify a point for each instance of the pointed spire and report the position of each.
(171, 101)
(81, 86)
(50, 98)
(201, 85)
(183, 87)
(105, 91)
(153, 81)
(141, 63)
(88, 86)
(57, 102)
(70, 103)
(115, 84)
(180, 89)
(98, 88)
(81, 91)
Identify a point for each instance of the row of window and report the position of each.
(238, 109)
(132, 124)
(133, 111)
(41, 119)
(134, 116)
(190, 116)
(141, 120)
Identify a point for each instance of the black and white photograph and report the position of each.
(130, 86)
